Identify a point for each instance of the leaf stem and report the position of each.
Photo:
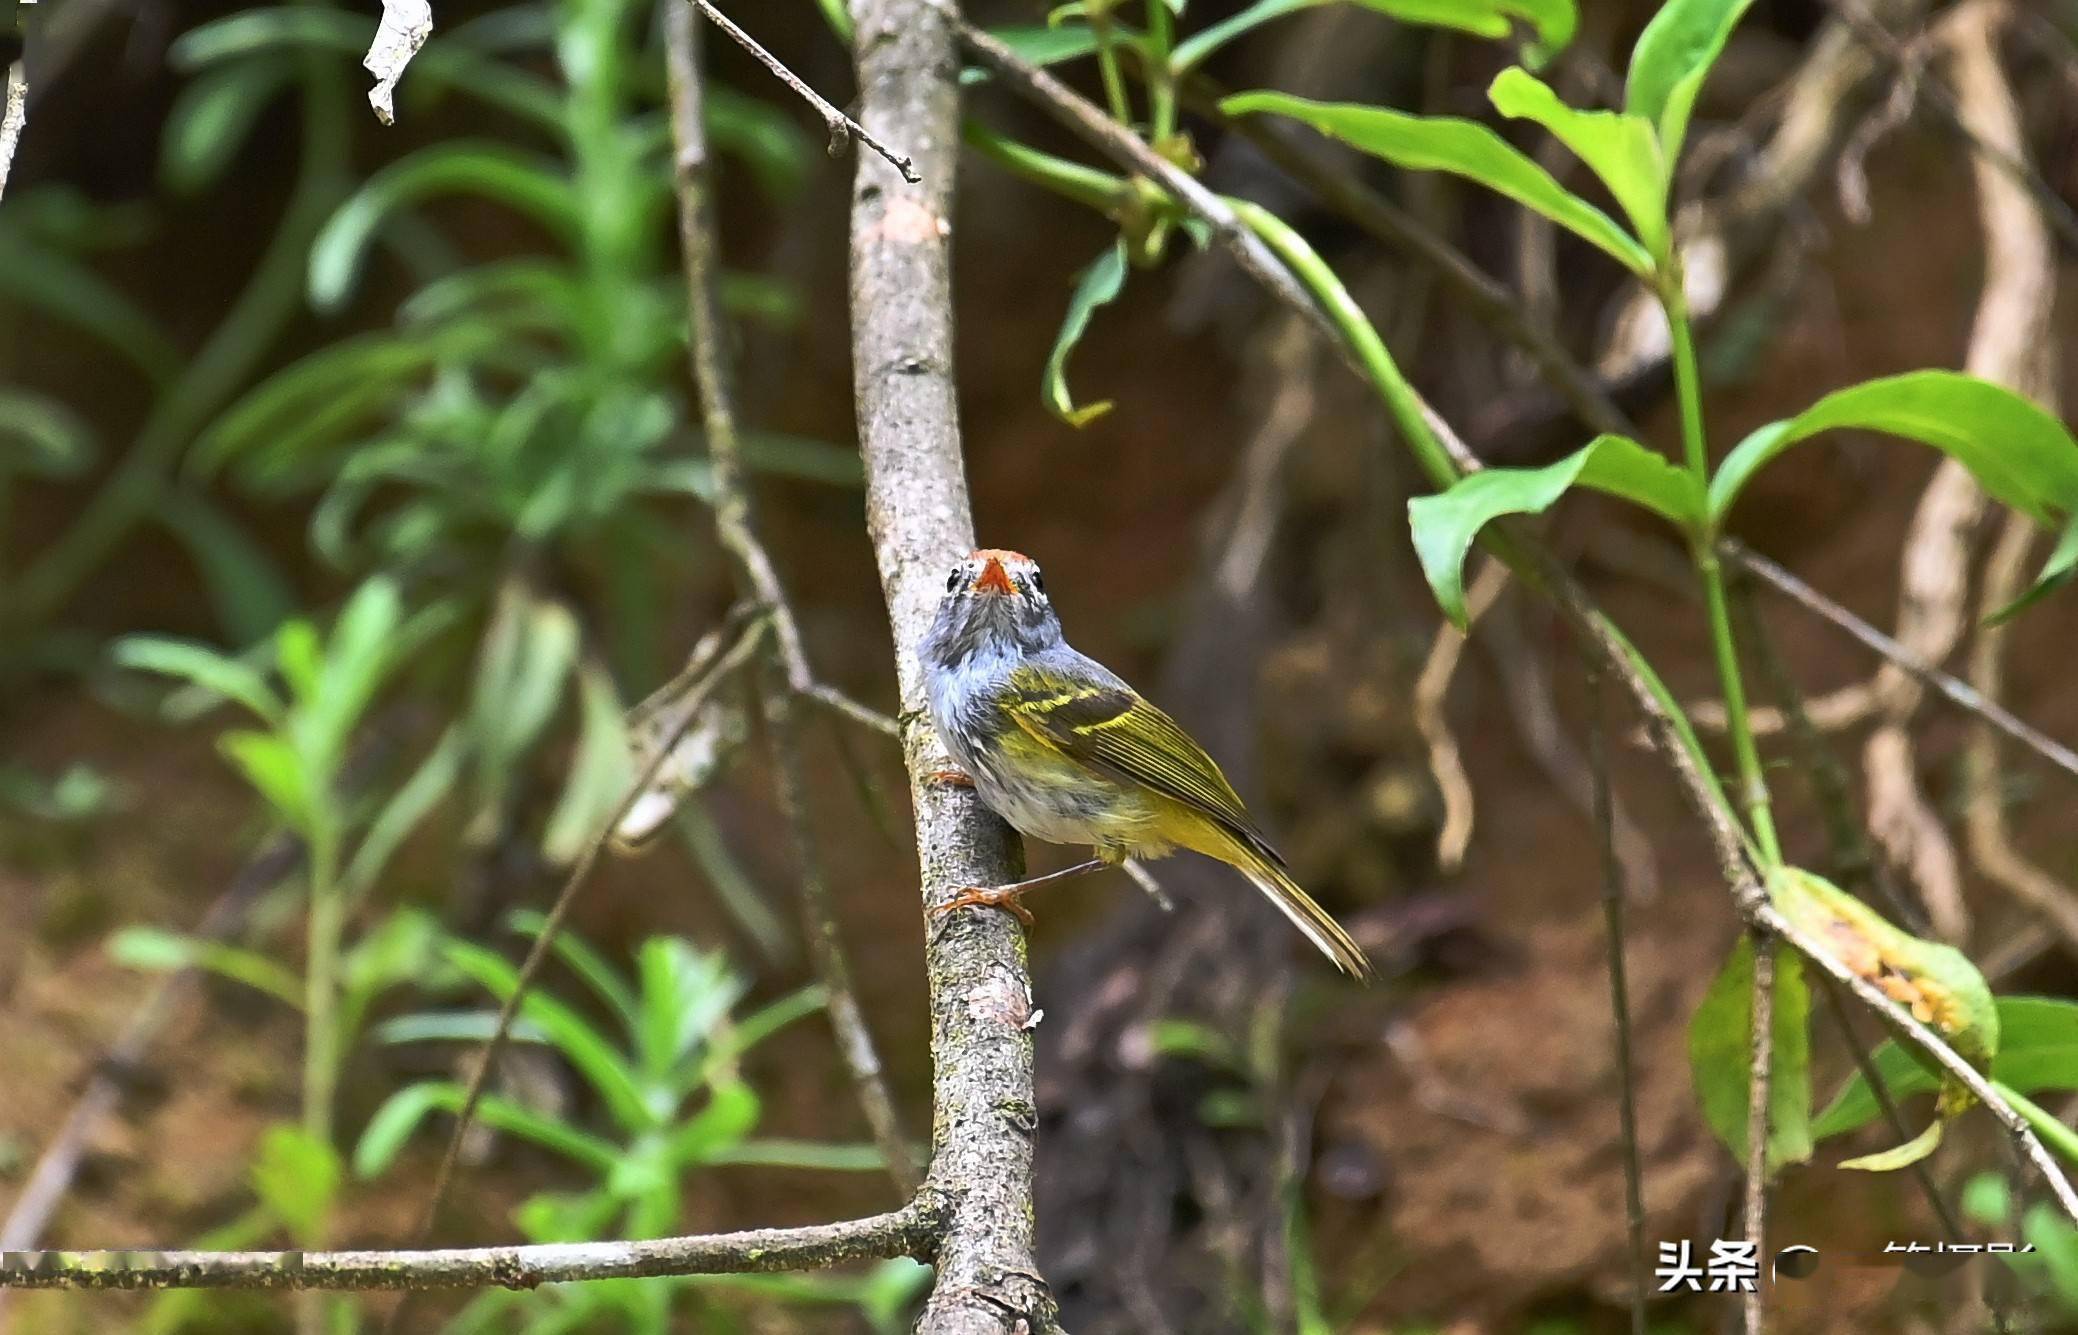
(1753, 786)
(1099, 13)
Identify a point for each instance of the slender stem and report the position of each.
(1161, 82)
(1099, 12)
(1619, 995)
(1757, 1103)
(321, 985)
(1753, 785)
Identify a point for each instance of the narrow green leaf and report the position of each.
(248, 590)
(1042, 44)
(1446, 524)
(43, 437)
(731, 1114)
(2020, 454)
(1461, 147)
(201, 666)
(1196, 49)
(1720, 1040)
(428, 785)
(2037, 1050)
(528, 184)
(1670, 62)
(2055, 573)
(159, 951)
(1553, 20)
(1097, 285)
(212, 116)
(402, 1112)
(1900, 1156)
(587, 964)
(582, 1045)
(1617, 147)
(600, 772)
(275, 771)
(813, 1154)
(297, 1178)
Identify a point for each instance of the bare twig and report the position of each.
(758, 582)
(909, 1231)
(405, 26)
(1619, 997)
(842, 128)
(1760, 1069)
(917, 513)
(1431, 689)
(1599, 636)
(722, 651)
(47, 1183)
(14, 115)
(1952, 688)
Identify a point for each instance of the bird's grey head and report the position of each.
(995, 602)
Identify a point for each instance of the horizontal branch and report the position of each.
(1957, 691)
(911, 1231)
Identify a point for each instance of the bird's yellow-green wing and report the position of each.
(1114, 729)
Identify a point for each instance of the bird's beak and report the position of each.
(994, 578)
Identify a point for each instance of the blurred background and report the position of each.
(385, 436)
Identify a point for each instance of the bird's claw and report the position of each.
(975, 897)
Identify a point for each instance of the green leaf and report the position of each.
(2038, 1049)
(276, 772)
(1463, 148)
(1553, 20)
(247, 588)
(581, 1045)
(297, 1178)
(599, 773)
(428, 785)
(367, 643)
(587, 964)
(1041, 44)
(211, 118)
(528, 652)
(1720, 1039)
(804, 458)
(402, 1112)
(201, 666)
(1097, 285)
(1900, 1156)
(68, 290)
(159, 951)
(528, 184)
(47, 439)
(1446, 524)
(1670, 62)
(1617, 147)
(812, 1154)
(2020, 454)
(2055, 573)
(731, 1114)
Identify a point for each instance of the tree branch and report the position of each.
(1598, 635)
(917, 513)
(14, 116)
(758, 582)
(909, 1231)
(842, 127)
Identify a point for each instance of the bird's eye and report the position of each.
(952, 581)
(1038, 582)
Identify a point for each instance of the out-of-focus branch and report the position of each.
(1431, 689)
(917, 513)
(758, 582)
(1597, 635)
(908, 1231)
(2016, 240)
(1760, 1060)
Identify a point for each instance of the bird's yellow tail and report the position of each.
(1316, 922)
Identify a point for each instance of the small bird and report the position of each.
(1062, 748)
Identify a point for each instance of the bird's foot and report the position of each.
(952, 778)
(1003, 897)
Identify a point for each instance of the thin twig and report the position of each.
(1598, 634)
(1619, 996)
(909, 1231)
(842, 127)
(758, 581)
(720, 662)
(1957, 691)
(13, 117)
(1432, 721)
(1759, 1082)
